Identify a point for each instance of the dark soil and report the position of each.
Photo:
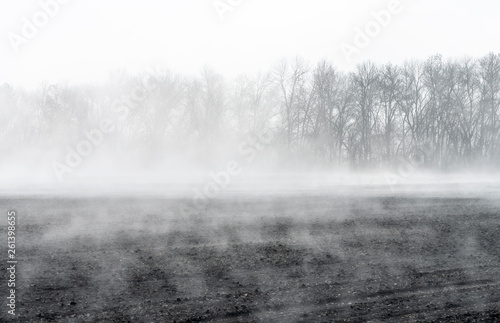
(301, 258)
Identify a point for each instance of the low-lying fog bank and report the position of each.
(225, 184)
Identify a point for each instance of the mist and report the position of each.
(435, 116)
(234, 161)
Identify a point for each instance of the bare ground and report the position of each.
(286, 258)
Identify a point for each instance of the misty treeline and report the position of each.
(370, 117)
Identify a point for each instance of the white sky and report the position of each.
(88, 38)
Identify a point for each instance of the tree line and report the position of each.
(367, 118)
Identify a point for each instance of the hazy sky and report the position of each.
(86, 38)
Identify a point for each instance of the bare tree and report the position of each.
(366, 82)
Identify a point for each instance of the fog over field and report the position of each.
(250, 161)
(181, 105)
